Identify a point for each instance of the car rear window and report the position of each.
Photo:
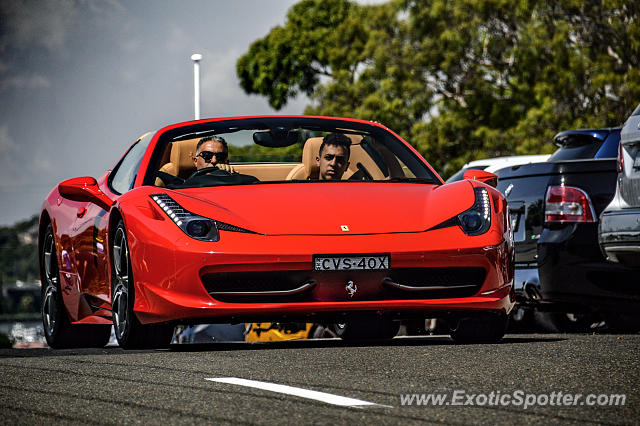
(576, 152)
(581, 146)
(609, 148)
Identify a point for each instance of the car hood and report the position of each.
(328, 208)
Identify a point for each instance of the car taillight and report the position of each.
(620, 161)
(567, 204)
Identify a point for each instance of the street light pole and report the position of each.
(196, 58)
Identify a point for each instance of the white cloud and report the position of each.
(44, 23)
(41, 164)
(7, 144)
(48, 23)
(218, 73)
(131, 45)
(178, 39)
(26, 82)
(104, 8)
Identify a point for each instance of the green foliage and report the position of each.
(319, 37)
(257, 153)
(5, 342)
(459, 80)
(19, 252)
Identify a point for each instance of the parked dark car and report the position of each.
(492, 164)
(619, 228)
(554, 208)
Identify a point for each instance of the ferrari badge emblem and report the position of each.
(351, 288)
(345, 228)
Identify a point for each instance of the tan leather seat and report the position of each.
(360, 157)
(309, 167)
(180, 160)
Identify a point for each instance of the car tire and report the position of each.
(58, 330)
(485, 329)
(561, 322)
(366, 329)
(622, 323)
(320, 331)
(129, 332)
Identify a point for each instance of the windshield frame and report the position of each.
(211, 127)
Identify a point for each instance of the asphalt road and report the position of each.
(113, 386)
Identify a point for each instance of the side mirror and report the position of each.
(84, 189)
(482, 176)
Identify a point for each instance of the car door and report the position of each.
(629, 183)
(89, 236)
(90, 256)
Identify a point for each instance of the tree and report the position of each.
(19, 252)
(321, 40)
(459, 80)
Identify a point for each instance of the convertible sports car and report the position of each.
(154, 242)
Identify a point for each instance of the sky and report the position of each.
(81, 80)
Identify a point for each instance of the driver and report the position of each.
(333, 157)
(213, 151)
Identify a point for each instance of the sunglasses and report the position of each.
(339, 158)
(208, 155)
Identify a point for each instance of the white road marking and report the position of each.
(343, 401)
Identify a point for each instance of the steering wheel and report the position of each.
(205, 171)
(361, 174)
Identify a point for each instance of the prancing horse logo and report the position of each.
(351, 288)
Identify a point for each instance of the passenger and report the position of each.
(333, 158)
(213, 151)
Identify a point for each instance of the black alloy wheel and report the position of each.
(58, 330)
(130, 333)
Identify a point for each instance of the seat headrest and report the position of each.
(182, 153)
(309, 154)
(311, 151)
(355, 139)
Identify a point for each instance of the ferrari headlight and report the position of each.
(198, 227)
(477, 220)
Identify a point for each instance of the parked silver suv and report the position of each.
(619, 227)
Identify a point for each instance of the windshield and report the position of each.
(285, 149)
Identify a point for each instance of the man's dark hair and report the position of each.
(214, 139)
(336, 139)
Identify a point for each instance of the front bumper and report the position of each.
(178, 287)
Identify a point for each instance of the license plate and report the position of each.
(351, 262)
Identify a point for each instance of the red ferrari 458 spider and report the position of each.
(341, 223)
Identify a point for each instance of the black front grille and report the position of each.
(424, 277)
(437, 282)
(217, 284)
(396, 284)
